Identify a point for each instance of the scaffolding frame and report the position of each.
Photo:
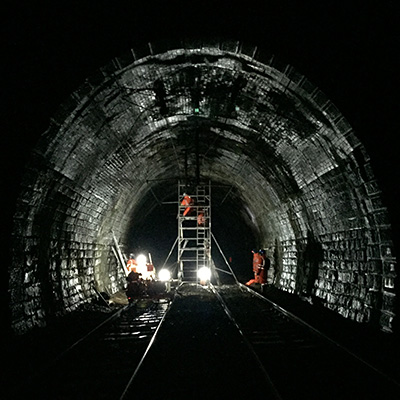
(194, 231)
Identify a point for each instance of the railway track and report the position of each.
(216, 342)
(99, 365)
(302, 362)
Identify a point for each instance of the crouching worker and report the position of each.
(135, 287)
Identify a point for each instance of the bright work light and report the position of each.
(164, 275)
(204, 274)
(141, 259)
(141, 265)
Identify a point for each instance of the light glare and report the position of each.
(141, 259)
(204, 274)
(164, 275)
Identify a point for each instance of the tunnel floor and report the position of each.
(379, 348)
(28, 353)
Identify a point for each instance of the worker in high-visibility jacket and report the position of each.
(258, 263)
(201, 219)
(131, 264)
(187, 202)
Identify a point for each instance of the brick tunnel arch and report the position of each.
(287, 162)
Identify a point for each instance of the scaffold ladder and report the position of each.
(194, 231)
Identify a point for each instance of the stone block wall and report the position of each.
(58, 257)
(74, 271)
(289, 265)
(344, 279)
(353, 278)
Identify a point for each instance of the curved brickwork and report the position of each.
(290, 155)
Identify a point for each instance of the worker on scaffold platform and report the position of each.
(201, 219)
(187, 202)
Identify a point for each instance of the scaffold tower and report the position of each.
(194, 230)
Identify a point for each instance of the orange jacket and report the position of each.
(131, 265)
(187, 202)
(258, 262)
(201, 219)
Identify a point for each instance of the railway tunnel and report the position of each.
(288, 175)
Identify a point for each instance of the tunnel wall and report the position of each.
(346, 264)
(286, 149)
(59, 260)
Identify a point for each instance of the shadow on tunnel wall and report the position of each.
(310, 255)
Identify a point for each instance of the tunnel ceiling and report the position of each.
(157, 115)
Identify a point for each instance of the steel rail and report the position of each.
(128, 385)
(67, 350)
(275, 392)
(47, 366)
(318, 332)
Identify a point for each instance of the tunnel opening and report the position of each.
(154, 226)
(291, 177)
